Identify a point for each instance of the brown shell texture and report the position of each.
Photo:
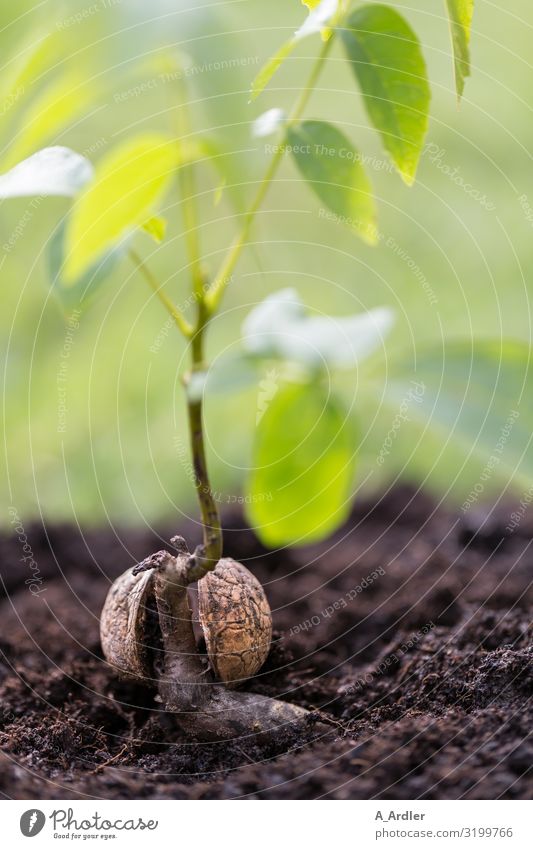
(123, 624)
(236, 621)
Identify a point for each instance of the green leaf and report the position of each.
(80, 292)
(234, 371)
(332, 166)
(51, 171)
(240, 370)
(281, 328)
(129, 182)
(460, 13)
(474, 399)
(270, 67)
(156, 227)
(60, 103)
(304, 464)
(321, 13)
(387, 61)
(40, 52)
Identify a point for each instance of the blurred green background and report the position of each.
(454, 260)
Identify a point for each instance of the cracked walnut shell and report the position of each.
(234, 616)
(236, 620)
(123, 624)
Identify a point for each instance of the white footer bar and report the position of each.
(269, 824)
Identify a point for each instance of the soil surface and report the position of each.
(409, 633)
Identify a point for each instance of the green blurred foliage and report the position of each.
(453, 258)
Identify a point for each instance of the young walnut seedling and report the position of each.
(305, 461)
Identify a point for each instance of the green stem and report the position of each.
(220, 283)
(180, 320)
(208, 554)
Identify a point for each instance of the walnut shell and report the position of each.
(236, 620)
(123, 624)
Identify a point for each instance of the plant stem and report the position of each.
(219, 285)
(180, 320)
(209, 553)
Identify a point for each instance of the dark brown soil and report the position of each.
(423, 671)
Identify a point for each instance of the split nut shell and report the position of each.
(123, 624)
(236, 620)
(234, 616)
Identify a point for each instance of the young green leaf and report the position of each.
(51, 171)
(475, 399)
(304, 462)
(60, 103)
(333, 169)
(460, 13)
(270, 67)
(321, 13)
(281, 328)
(238, 371)
(40, 53)
(387, 61)
(129, 182)
(234, 371)
(156, 227)
(79, 293)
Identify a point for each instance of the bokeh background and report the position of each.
(454, 262)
